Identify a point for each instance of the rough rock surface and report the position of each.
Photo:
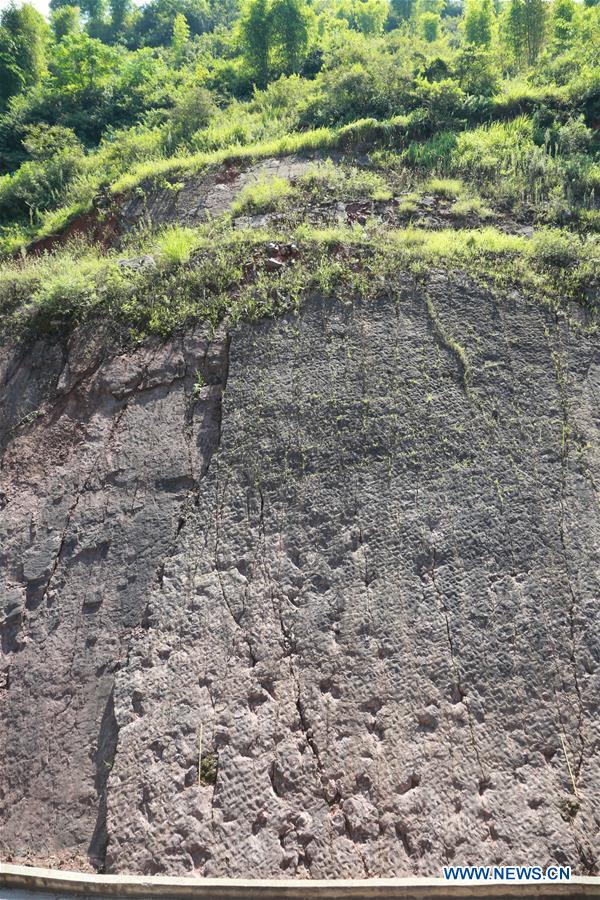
(205, 196)
(100, 453)
(368, 576)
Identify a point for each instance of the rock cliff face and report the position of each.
(356, 571)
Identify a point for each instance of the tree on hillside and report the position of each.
(524, 29)
(369, 16)
(119, 11)
(479, 22)
(401, 10)
(476, 71)
(563, 21)
(274, 37)
(81, 65)
(429, 24)
(224, 12)
(429, 6)
(24, 35)
(93, 10)
(255, 39)
(289, 33)
(181, 35)
(154, 27)
(64, 21)
(193, 110)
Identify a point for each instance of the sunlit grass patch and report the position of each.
(344, 182)
(264, 195)
(457, 245)
(407, 207)
(302, 142)
(53, 288)
(473, 206)
(176, 244)
(446, 188)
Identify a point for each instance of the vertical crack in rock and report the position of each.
(188, 422)
(104, 760)
(366, 574)
(222, 345)
(236, 618)
(289, 652)
(557, 676)
(449, 343)
(287, 638)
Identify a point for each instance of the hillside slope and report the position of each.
(344, 557)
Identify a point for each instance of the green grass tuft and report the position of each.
(264, 195)
(344, 182)
(447, 188)
(177, 243)
(464, 209)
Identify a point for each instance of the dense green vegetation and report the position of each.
(492, 106)
(203, 274)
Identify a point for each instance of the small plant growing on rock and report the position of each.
(208, 769)
(408, 204)
(569, 807)
(199, 383)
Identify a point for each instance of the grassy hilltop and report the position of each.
(489, 111)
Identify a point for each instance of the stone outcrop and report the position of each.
(205, 196)
(353, 569)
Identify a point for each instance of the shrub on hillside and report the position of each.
(433, 154)
(42, 182)
(553, 247)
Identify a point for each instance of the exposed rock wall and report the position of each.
(369, 574)
(100, 453)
